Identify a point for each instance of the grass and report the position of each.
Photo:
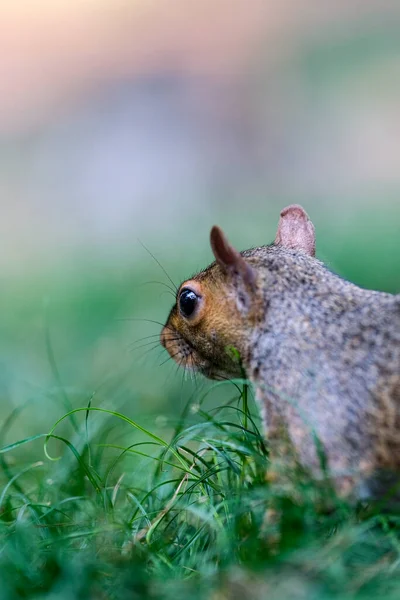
(191, 514)
(112, 487)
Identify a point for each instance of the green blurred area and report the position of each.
(93, 327)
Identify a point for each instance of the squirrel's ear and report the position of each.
(230, 259)
(295, 230)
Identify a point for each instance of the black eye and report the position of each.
(188, 302)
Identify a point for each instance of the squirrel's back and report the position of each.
(326, 359)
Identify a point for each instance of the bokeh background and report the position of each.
(124, 122)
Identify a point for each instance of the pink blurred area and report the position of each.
(56, 52)
(126, 117)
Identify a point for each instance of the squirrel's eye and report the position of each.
(188, 301)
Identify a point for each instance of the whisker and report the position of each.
(184, 366)
(146, 337)
(171, 289)
(170, 357)
(195, 376)
(160, 265)
(153, 335)
(154, 343)
(133, 347)
(144, 354)
(168, 292)
(160, 353)
(195, 372)
(171, 372)
(183, 370)
(144, 321)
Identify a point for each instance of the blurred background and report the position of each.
(124, 122)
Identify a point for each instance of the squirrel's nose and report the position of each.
(163, 340)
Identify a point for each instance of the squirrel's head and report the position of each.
(208, 328)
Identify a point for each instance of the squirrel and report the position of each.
(322, 354)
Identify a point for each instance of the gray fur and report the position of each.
(326, 357)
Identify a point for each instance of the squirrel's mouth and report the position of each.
(187, 357)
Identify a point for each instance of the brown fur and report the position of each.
(322, 353)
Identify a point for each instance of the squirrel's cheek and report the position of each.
(164, 337)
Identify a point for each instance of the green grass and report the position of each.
(181, 515)
(118, 480)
